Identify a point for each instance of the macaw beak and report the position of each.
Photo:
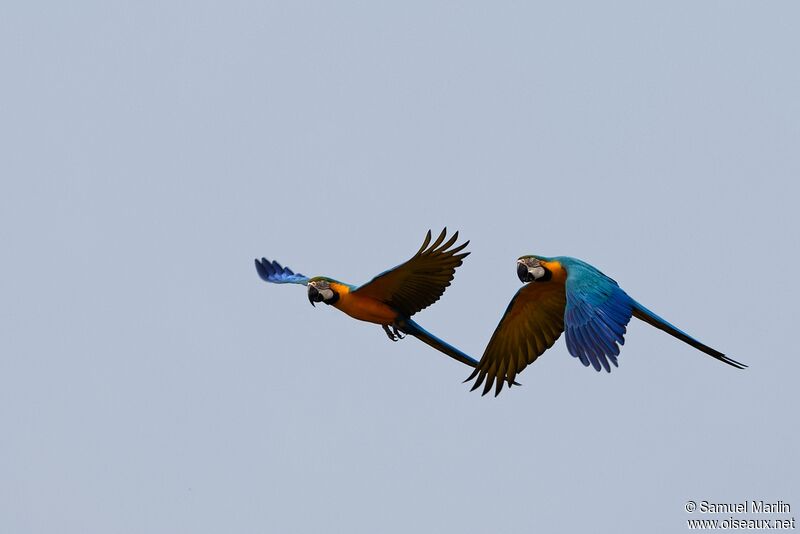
(523, 273)
(314, 295)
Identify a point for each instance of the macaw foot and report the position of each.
(394, 334)
(397, 332)
(389, 333)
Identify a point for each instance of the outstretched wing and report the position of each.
(532, 323)
(274, 272)
(598, 312)
(596, 316)
(421, 281)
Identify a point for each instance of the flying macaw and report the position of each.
(392, 297)
(566, 294)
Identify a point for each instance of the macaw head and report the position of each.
(533, 269)
(320, 290)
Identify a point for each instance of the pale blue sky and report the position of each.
(150, 382)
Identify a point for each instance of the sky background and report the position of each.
(151, 382)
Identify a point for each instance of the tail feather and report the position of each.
(410, 327)
(642, 313)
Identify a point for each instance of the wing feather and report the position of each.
(274, 273)
(597, 313)
(531, 324)
(422, 280)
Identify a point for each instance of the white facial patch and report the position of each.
(537, 272)
(327, 294)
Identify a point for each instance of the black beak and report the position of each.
(523, 274)
(314, 295)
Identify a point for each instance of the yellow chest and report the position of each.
(365, 308)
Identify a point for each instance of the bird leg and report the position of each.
(397, 332)
(389, 332)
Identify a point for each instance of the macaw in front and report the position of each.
(392, 297)
(566, 294)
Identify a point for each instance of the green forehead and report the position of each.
(325, 279)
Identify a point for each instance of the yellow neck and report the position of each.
(341, 289)
(557, 271)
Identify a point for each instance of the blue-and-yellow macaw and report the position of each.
(566, 294)
(392, 297)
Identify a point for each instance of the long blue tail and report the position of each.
(640, 312)
(410, 327)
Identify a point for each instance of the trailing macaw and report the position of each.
(392, 297)
(566, 294)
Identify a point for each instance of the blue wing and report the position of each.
(274, 272)
(596, 315)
